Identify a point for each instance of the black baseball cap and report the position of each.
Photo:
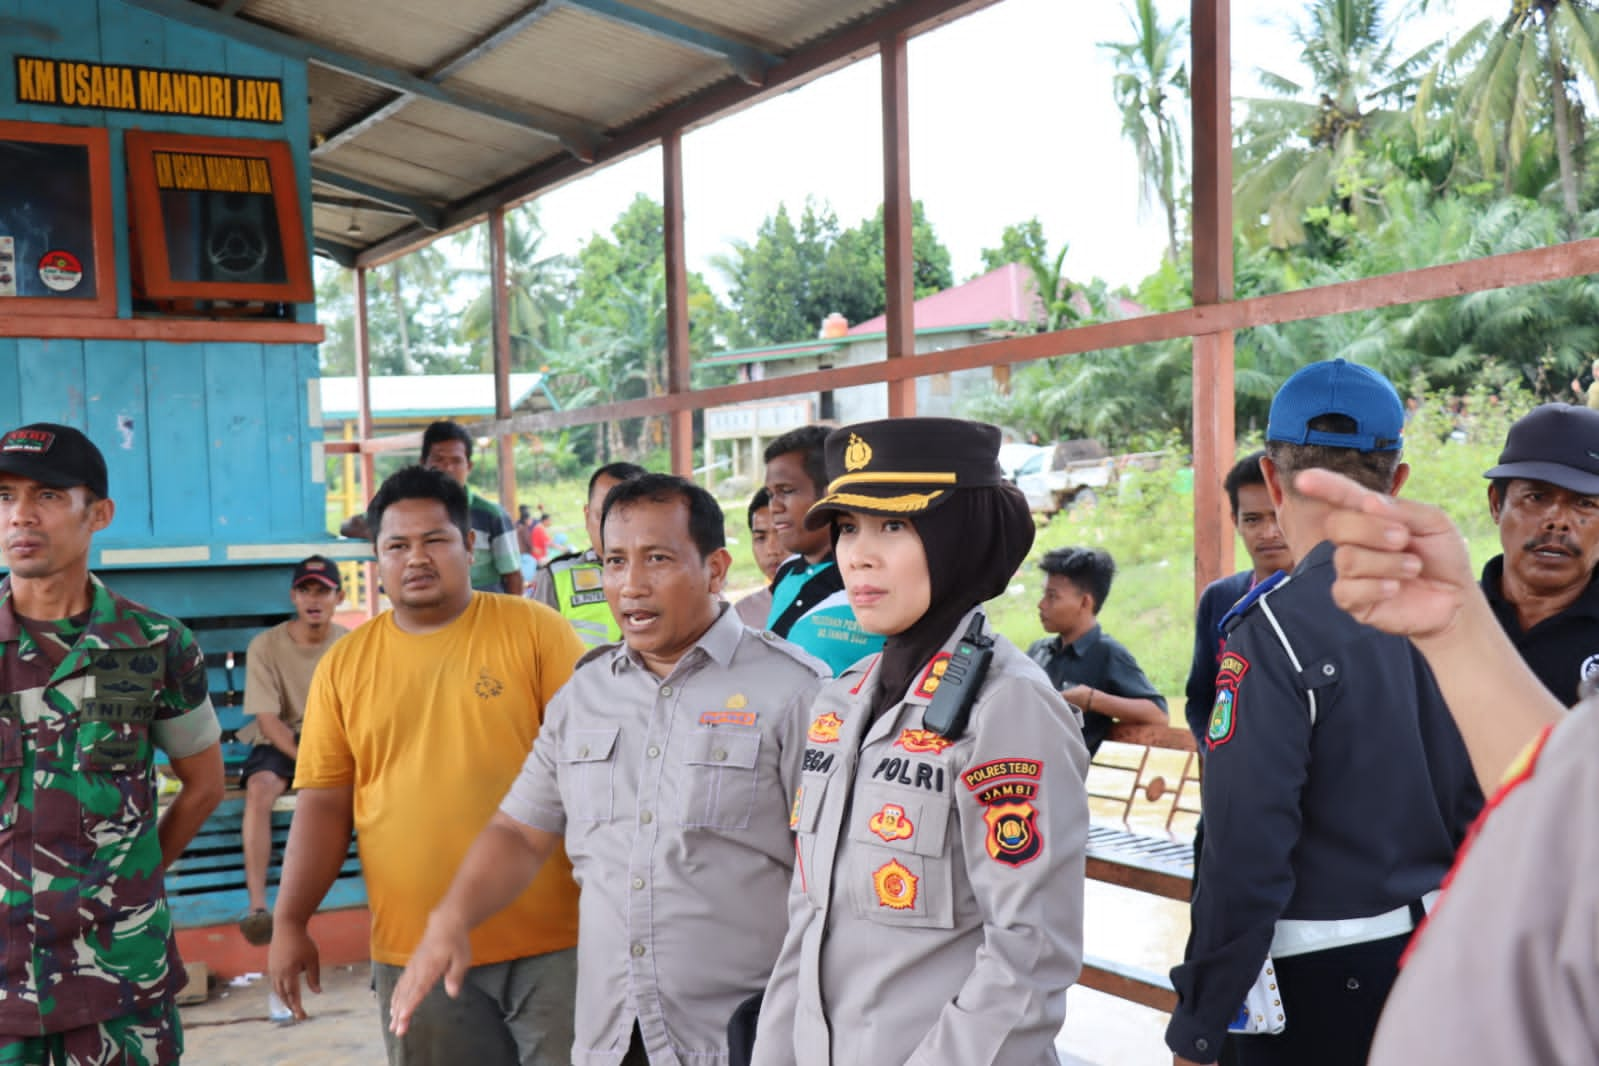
(1557, 443)
(905, 466)
(54, 455)
(317, 568)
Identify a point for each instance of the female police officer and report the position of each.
(936, 907)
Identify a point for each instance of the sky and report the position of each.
(1011, 116)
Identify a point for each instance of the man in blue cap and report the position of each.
(1337, 787)
(1544, 497)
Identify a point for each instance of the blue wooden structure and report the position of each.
(210, 423)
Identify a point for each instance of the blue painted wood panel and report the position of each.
(236, 442)
(118, 420)
(10, 379)
(179, 456)
(50, 381)
(287, 451)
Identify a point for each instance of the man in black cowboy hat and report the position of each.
(1544, 497)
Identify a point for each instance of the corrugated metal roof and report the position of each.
(442, 109)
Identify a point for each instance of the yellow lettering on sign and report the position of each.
(36, 81)
(260, 176)
(115, 87)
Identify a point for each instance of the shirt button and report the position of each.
(720, 755)
(654, 752)
(638, 882)
(646, 818)
(638, 951)
(1202, 1044)
(583, 752)
(666, 690)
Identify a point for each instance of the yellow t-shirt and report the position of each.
(431, 730)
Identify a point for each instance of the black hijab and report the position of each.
(975, 541)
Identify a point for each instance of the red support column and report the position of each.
(500, 309)
(363, 417)
(898, 260)
(1214, 436)
(678, 372)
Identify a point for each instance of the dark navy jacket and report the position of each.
(1561, 650)
(1214, 602)
(1336, 786)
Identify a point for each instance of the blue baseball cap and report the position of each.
(1338, 388)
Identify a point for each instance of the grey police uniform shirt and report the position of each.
(1336, 786)
(936, 914)
(1506, 969)
(673, 797)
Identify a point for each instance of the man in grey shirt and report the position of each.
(667, 764)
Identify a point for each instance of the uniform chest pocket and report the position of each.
(720, 767)
(901, 857)
(114, 736)
(588, 774)
(10, 767)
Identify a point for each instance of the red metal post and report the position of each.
(898, 260)
(677, 338)
(500, 309)
(1214, 438)
(363, 417)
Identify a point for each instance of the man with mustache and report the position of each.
(1544, 496)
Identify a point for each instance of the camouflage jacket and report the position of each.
(85, 934)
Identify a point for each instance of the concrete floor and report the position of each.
(232, 1027)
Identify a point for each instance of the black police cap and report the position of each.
(903, 467)
(54, 455)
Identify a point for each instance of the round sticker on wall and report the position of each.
(60, 271)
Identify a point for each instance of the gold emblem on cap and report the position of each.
(857, 454)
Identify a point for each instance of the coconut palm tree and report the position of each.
(1309, 147)
(533, 290)
(1519, 71)
(1150, 87)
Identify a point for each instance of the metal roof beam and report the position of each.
(341, 254)
(429, 215)
(751, 64)
(484, 45)
(358, 203)
(576, 137)
(229, 8)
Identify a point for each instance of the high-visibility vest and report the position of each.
(580, 597)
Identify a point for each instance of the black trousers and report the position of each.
(1331, 1002)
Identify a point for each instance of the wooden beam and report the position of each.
(500, 310)
(363, 417)
(899, 264)
(749, 63)
(1214, 435)
(1570, 259)
(178, 330)
(729, 96)
(1127, 983)
(678, 369)
(429, 216)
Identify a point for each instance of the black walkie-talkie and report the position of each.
(963, 675)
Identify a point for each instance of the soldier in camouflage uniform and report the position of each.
(91, 685)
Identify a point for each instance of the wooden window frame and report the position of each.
(152, 274)
(102, 226)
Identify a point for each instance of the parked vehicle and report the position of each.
(1067, 474)
(1012, 456)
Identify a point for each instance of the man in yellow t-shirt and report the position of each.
(416, 725)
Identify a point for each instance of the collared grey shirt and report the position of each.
(1506, 968)
(936, 914)
(674, 798)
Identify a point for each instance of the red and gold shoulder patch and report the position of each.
(824, 728)
(933, 675)
(1224, 712)
(895, 886)
(922, 741)
(793, 812)
(1013, 837)
(892, 823)
(978, 776)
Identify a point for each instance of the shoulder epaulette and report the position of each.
(792, 650)
(567, 557)
(1247, 602)
(594, 653)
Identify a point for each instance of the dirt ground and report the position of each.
(232, 1027)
